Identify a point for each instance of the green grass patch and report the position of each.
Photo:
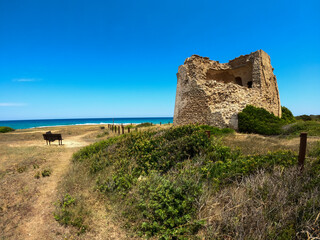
(70, 212)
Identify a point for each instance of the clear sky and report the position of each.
(100, 58)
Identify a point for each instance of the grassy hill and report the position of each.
(177, 183)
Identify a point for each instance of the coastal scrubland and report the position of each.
(158, 182)
(179, 183)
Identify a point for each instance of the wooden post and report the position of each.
(122, 129)
(208, 133)
(302, 150)
(118, 129)
(112, 128)
(128, 129)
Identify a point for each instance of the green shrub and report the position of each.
(287, 115)
(259, 120)
(69, 212)
(311, 127)
(46, 172)
(146, 124)
(167, 206)
(227, 169)
(304, 118)
(6, 129)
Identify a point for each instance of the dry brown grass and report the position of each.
(263, 206)
(26, 203)
(258, 144)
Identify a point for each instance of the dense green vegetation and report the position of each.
(6, 129)
(259, 120)
(287, 115)
(146, 124)
(157, 179)
(304, 118)
(311, 127)
(308, 117)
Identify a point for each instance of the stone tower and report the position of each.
(213, 93)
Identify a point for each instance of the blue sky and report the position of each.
(79, 59)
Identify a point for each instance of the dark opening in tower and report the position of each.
(238, 81)
(250, 84)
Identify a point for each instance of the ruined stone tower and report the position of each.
(213, 93)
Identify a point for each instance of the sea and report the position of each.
(24, 124)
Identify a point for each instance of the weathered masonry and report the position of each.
(213, 93)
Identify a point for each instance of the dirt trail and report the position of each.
(36, 221)
(40, 224)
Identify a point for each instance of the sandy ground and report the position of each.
(27, 203)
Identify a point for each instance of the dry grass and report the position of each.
(263, 206)
(258, 144)
(26, 203)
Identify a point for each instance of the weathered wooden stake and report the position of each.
(128, 129)
(118, 129)
(302, 150)
(208, 133)
(122, 129)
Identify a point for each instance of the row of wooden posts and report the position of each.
(116, 128)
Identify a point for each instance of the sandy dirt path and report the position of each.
(27, 210)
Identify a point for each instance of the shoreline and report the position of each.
(31, 124)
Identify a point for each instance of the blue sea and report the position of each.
(23, 124)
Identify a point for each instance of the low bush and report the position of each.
(304, 118)
(287, 115)
(6, 129)
(259, 120)
(146, 124)
(70, 212)
(46, 172)
(311, 127)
